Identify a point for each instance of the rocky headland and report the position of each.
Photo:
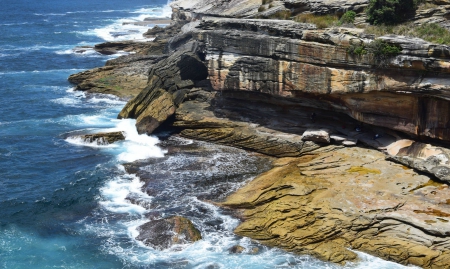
(361, 140)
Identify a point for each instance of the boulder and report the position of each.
(317, 135)
(164, 233)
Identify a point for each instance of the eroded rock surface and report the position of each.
(165, 233)
(124, 77)
(348, 198)
(270, 86)
(103, 138)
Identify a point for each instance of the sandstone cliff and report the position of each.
(288, 89)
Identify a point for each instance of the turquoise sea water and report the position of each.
(63, 203)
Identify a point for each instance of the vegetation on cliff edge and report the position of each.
(390, 12)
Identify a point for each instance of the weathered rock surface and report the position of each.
(114, 47)
(124, 77)
(320, 136)
(348, 198)
(167, 81)
(195, 9)
(255, 84)
(422, 157)
(224, 125)
(165, 233)
(103, 138)
(325, 6)
(127, 75)
(316, 63)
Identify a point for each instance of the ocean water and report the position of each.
(67, 204)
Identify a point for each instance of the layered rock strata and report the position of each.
(349, 198)
(295, 70)
(287, 89)
(124, 77)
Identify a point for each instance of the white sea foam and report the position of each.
(115, 195)
(20, 50)
(13, 72)
(16, 23)
(167, 10)
(80, 142)
(79, 52)
(106, 99)
(123, 29)
(80, 99)
(67, 101)
(50, 14)
(137, 146)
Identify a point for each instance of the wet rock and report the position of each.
(236, 249)
(165, 233)
(103, 138)
(348, 198)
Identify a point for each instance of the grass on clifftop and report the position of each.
(431, 32)
(321, 22)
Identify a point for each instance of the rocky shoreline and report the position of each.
(363, 159)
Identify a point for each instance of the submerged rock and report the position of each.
(236, 249)
(164, 233)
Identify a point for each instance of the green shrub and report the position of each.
(348, 17)
(261, 8)
(382, 51)
(390, 11)
(357, 50)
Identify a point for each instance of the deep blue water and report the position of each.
(63, 203)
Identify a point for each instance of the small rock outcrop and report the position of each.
(124, 77)
(165, 233)
(103, 138)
